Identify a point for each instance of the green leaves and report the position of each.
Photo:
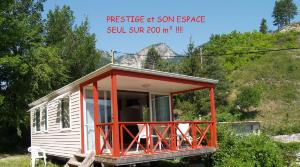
(248, 150)
(284, 11)
(152, 59)
(77, 47)
(263, 28)
(47, 70)
(36, 58)
(248, 97)
(59, 24)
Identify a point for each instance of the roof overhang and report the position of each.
(123, 72)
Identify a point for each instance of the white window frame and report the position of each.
(38, 109)
(46, 119)
(60, 115)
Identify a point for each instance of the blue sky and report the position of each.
(222, 16)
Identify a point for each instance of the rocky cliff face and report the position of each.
(137, 60)
(293, 26)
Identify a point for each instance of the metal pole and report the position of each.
(201, 58)
(113, 56)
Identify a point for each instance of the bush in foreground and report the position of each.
(248, 150)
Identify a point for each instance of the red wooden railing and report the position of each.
(156, 137)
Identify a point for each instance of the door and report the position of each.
(89, 125)
(160, 105)
(104, 106)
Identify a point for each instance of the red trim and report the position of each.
(115, 122)
(189, 90)
(115, 116)
(195, 137)
(161, 78)
(96, 78)
(82, 119)
(213, 118)
(96, 118)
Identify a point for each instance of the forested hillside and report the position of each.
(265, 64)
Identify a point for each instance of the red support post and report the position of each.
(213, 130)
(173, 137)
(194, 136)
(151, 139)
(96, 118)
(115, 116)
(147, 137)
(82, 119)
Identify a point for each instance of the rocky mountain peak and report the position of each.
(137, 60)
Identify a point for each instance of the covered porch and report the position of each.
(127, 116)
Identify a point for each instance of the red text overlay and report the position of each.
(150, 25)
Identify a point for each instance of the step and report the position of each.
(74, 163)
(79, 155)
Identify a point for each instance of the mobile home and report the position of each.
(122, 115)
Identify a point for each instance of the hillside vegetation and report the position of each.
(276, 74)
(268, 63)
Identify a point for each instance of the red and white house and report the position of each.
(123, 114)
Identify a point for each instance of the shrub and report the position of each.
(225, 114)
(289, 150)
(248, 97)
(249, 150)
(185, 111)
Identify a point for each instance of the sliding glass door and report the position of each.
(104, 105)
(160, 105)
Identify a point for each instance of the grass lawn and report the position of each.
(20, 160)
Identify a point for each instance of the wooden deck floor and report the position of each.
(126, 160)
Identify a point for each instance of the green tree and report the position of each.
(77, 46)
(200, 63)
(284, 11)
(248, 97)
(191, 64)
(59, 24)
(152, 59)
(36, 59)
(29, 69)
(263, 28)
(79, 51)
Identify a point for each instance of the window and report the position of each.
(37, 120)
(45, 118)
(65, 113)
(160, 107)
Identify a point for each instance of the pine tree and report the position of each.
(77, 47)
(152, 59)
(59, 24)
(263, 26)
(284, 11)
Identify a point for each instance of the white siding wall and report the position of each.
(55, 141)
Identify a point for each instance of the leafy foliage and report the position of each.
(20, 33)
(59, 24)
(248, 97)
(263, 28)
(290, 150)
(152, 59)
(77, 46)
(37, 57)
(284, 11)
(250, 150)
